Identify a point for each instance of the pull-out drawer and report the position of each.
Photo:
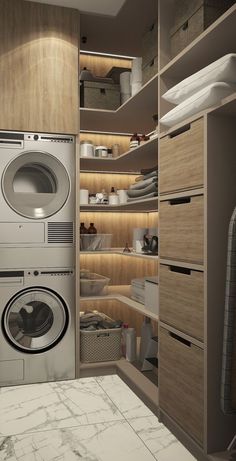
(181, 299)
(181, 229)
(181, 382)
(181, 159)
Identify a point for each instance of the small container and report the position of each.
(86, 149)
(92, 229)
(109, 153)
(84, 196)
(134, 141)
(101, 151)
(93, 284)
(122, 195)
(113, 197)
(92, 198)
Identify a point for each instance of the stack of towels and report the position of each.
(146, 185)
(94, 320)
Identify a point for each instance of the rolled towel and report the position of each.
(142, 192)
(144, 183)
(153, 174)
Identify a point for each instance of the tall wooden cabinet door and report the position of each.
(39, 48)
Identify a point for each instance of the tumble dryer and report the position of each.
(37, 197)
(37, 340)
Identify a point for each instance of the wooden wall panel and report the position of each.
(95, 182)
(100, 65)
(120, 225)
(38, 67)
(120, 269)
(100, 139)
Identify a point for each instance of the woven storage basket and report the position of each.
(100, 345)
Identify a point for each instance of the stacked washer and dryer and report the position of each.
(37, 258)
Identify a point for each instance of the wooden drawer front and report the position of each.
(181, 229)
(181, 382)
(181, 159)
(181, 299)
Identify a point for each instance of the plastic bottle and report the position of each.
(113, 197)
(130, 344)
(83, 229)
(92, 229)
(146, 336)
(125, 327)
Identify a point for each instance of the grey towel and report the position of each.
(146, 176)
(134, 199)
(142, 192)
(143, 184)
(229, 340)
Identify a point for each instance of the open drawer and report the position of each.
(181, 382)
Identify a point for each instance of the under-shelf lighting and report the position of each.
(108, 55)
(106, 132)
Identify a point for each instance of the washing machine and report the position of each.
(37, 196)
(37, 340)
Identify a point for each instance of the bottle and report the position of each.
(83, 229)
(125, 327)
(146, 336)
(126, 249)
(144, 138)
(92, 229)
(130, 344)
(134, 141)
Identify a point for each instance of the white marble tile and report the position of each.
(88, 402)
(162, 444)
(114, 441)
(127, 402)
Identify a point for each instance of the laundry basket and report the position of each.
(100, 345)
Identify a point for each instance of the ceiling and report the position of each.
(100, 7)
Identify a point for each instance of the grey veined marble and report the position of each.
(91, 419)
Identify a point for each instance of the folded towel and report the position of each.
(149, 170)
(143, 184)
(146, 176)
(135, 199)
(142, 192)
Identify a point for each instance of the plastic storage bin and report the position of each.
(95, 242)
(93, 285)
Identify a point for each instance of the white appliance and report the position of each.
(37, 196)
(37, 340)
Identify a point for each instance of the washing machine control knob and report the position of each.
(36, 137)
(36, 273)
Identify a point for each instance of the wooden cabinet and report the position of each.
(181, 299)
(38, 67)
(181, 159)
(181, 228)
(181, 382)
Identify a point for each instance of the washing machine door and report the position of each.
(35, 185)
(35, 320)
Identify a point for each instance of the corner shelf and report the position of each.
(143, 104)
(146, 205)
(138, 307)
(116, 251)
(145, 156)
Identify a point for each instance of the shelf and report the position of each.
(144, 156)
(138, 307)
(143, 105)
(121, 253)
(216, 41)
(146, 205)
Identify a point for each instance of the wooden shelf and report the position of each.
(216, 41)
(135, 115)
(147, 205)
(138, 307)
(121, 253)
(144, 156)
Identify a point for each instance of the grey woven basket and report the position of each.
(100, 345)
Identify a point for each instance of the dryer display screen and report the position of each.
(35, 320)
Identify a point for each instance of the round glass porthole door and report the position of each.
(35, 185)
(35, 320)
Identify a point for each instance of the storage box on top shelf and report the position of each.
(99, 95)
(150, 53)
(191, 18)
(95, 242)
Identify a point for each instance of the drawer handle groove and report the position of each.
(180, 270)
(179, 131)
(181, 340)
(179, 201)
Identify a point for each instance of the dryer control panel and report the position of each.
(49, 138)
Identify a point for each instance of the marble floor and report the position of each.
(91, 419)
